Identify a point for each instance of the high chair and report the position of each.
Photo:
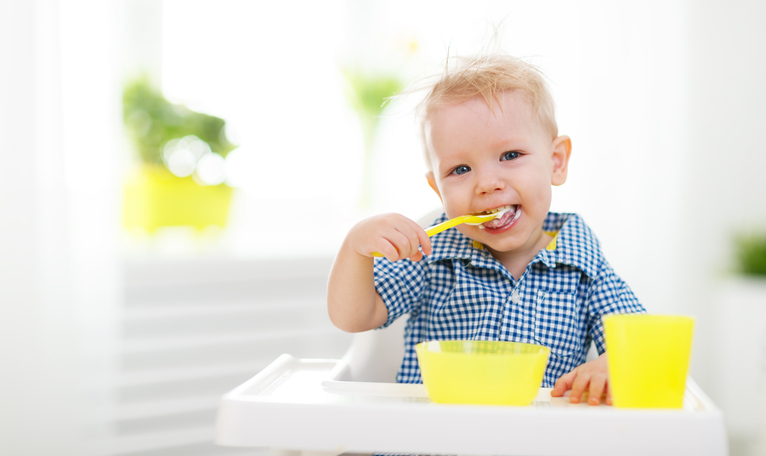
(327, 407)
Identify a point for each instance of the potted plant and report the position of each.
(750, 254)
(180, 179)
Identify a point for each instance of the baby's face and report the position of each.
(483, 160)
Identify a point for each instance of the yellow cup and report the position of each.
(648, 359)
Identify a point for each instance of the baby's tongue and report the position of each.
(502, 220)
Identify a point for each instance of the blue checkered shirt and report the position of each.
(461, 291)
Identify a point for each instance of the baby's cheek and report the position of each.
(455, 205)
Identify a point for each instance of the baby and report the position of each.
(491, 143)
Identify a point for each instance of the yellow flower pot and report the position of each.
(156, 198)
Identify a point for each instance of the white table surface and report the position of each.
(299, 404)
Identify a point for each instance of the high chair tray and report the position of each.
(304, 404)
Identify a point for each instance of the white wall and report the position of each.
(58, 271)
(724, 192)
(30, 260)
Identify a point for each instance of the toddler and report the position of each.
(491, 143)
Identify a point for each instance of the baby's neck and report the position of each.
(516, 261)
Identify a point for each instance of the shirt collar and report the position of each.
(575, 245)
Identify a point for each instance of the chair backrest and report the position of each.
(375, 356)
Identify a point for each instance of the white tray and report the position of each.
(306, 404)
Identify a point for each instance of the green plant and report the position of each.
(152, 121)
(750, 253)
(367, 92)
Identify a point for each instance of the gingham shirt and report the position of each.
(461, 291)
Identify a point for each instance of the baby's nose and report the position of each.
(489, 183)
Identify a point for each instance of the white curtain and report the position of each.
(59, 281)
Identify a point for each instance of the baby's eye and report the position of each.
(462, 169)
(510, 155)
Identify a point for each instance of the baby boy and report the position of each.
(491, 143)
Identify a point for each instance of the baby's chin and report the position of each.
(481, 240)
(529, 245)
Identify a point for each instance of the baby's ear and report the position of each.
(562, 148)
(432, 182)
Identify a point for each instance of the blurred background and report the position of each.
(176, 177)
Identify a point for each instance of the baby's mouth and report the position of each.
(511, 215)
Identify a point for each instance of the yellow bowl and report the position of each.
(482, 371)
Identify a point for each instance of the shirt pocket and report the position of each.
(557, 322)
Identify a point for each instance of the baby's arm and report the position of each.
(591, 376)
(352, 301)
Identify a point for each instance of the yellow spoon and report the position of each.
(469, 219)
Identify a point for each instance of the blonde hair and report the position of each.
(488, 76)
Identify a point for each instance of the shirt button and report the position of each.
(515, 297)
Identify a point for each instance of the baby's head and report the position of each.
(491, 142)
(488, 76)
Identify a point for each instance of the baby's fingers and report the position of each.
(563, 384)
(413, 236)
(390, 235)
(405, 243)
(598, 385)
(423, 239)
(579, 386)
(386, 249)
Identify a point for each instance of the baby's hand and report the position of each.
(394, 236)
(591, 376)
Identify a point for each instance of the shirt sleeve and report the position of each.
(400, 285)
(609, 294)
